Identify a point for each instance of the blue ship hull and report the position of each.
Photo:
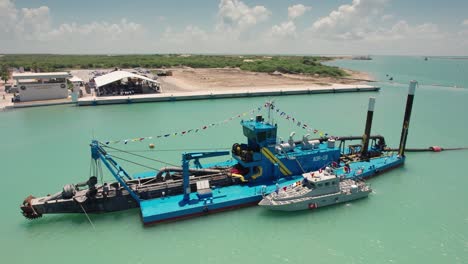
(172, 208)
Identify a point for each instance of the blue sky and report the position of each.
(235, 26)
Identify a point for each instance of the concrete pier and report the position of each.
(199, 95)
(11, 105)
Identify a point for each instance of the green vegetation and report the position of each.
(4, 74)
(284, 64)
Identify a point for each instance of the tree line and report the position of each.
(270, 64)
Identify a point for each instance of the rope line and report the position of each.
(168, 150)
(137, 155)
(87, 216)
(100, 171)
(136, 163)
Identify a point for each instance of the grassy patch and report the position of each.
(284, 64)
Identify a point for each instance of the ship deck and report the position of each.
(375, 166)
(173, 207)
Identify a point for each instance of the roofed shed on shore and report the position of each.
(125, 83)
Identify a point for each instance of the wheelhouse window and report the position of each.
(261, 136)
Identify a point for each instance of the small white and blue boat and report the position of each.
(317, 189)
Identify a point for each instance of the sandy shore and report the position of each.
(219, 79)
(187, 80)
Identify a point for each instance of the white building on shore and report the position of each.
(41, 86)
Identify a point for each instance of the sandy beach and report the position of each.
(218, 79)
(187, 79)
(190, 80)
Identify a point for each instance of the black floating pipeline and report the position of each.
(429, 149)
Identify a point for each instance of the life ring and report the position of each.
(334, 164)
(62, 85)
(23, 87)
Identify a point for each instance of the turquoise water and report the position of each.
(418, 213)
(437, 71)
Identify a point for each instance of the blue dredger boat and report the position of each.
(258, 167)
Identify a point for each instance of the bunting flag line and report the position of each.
(267, 105)
(185, 132)
(295, 121)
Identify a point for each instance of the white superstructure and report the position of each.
(41, 86)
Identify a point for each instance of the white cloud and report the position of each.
(8, 16)
(30, 29)
(96, 30)
(349, 21)
(237, 16)
(99, 36)
(361, 21)
(298, 10)
(234, 30)
(190, 34)
(33, 23)
(285, 29)
(386, 17)
(463, 35)
(27, 23)
(403, 31)
(237, 30)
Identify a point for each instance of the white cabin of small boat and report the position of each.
(323, 180)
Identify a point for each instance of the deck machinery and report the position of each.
(257, 168)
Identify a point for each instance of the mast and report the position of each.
(186, 177)
(406, 119)
(270, 106)
(367, 130)
(97, 152)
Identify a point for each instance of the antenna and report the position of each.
(269, 111)
(270, 107)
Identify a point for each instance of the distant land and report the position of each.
(450, 58)
(254, 63)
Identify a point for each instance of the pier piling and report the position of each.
(406, 119)
(367, 130)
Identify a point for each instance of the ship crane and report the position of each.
(196, 156)
(98, 153)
